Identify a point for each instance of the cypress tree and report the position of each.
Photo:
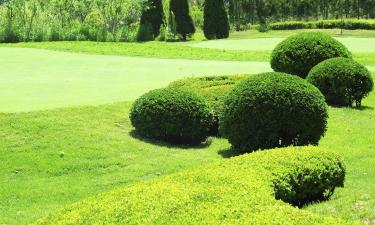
(216, 24)
(184, 22)
(154, 16)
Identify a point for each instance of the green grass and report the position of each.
(101, 154)
(52, 79)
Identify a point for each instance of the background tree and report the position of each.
(183, 20)
(153, 15)
(216, 24)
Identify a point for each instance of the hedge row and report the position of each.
(351, 24)
(241, 190)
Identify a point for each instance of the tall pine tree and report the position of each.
(154, 16)
(184, 22)
(216, 24)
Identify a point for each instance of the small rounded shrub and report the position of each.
(213, 89)
(298, 54)
(273, 110)
(342, 81)
(173, 115)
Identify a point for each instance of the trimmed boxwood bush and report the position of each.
(273, 110)
(213, 89)
(241, 190)
(299, 53)
(173, 115)
(342, 81)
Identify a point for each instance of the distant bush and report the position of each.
(153, 16)
(299, 53)
(145, 32)
(174, 115)
(272, 110)
(342, 81)
(241, 190)
(216, 23)
(213, 89)
(351, 24)
(183, 21)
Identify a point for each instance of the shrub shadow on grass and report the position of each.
(361, 108)
(134, 134)
(229, 153)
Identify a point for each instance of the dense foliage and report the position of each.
(272, 110)
(342, 81)
(350, 24)
(174, 115)
(153, 15)
(97, 20)
(216, 24)
(243, 12)
(213, 89)
(235, 191)
(184, 23)
(299, 53)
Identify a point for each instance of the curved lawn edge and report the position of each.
(240, 190)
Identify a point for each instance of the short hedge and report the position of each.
(299, 53)
(174, 115)
(272, 110)
(348, 24)
(342, 81)
(213, 89)
(241, 190)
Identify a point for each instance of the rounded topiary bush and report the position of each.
(174, 115)
(342, 81)
(273, 110)
(298, 54)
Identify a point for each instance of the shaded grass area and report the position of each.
(100, 152)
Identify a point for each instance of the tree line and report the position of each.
(259, 11)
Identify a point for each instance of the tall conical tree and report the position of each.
(216, 24)
(154, 16)
(184, 22)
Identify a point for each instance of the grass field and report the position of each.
(54, 157)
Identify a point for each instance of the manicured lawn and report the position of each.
(55, 157)
(34, 79)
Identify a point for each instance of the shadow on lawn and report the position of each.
(229, 153)
(134, 134)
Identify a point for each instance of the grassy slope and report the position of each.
(53, 79)
(100, 154)
(235, 191)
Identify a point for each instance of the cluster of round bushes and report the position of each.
(262, 111)
(327, 64)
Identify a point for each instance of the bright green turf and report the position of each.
(358, 45)
(100, 154)
(33, 79)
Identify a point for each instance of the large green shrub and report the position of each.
(273, 110)
(241, 190)
(184, 22)
(213, 89)
(299, 53)
(342, 81)
(216, 24)
(174, 115)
